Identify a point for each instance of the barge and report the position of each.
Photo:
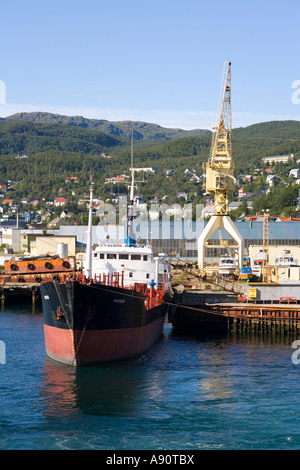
(263, 306)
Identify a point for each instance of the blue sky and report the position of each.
(156, 61)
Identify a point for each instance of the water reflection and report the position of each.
(198, 371)
(225, 364)
(102, 390)
(23, 309)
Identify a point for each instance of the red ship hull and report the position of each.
(95, 346)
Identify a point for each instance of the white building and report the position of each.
(295, 173)
(278, 159)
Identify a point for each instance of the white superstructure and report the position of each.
(286, 259)
(137, 263)
(227, 265)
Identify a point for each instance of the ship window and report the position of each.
(135, 257)
(145, 258)
(122, 256)
(95, 255)
(130, 274)
(147, 276)
(111, 256)
(101, 255)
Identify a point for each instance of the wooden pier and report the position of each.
(12, 292)
(221, 317)
(198, 311)
(281, 318)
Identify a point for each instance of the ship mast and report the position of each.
(89, 245)
(130, 241)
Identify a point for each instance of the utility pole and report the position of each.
(89, 245)
(266, 267)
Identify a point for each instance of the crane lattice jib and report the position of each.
(219, 169)
(221, 143)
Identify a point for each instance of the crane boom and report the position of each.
(219, 168)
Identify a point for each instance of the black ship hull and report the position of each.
(86, 324)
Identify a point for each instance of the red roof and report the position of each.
(289, 219)
(119, 178)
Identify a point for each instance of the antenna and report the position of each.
(130, 241)
(89, 244)
(131, 144)
(132, 168)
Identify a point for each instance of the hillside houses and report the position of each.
(3, 186)
(178, 185)
(145, 170)
(273, 180)
(208, 210)
(169, 173)
(242, 193)
(60, 201)
(247, 178)
(183, 195)
(295, 173)
(115, 179)
(71, 179)
(277, 159)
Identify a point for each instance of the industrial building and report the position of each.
(179, 238)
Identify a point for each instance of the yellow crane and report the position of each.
(219, 175)
(219, 170)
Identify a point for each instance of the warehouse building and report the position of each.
(179, 238)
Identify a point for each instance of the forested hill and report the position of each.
(57, 150)
(142, 130)
(249, 144)
(19, 135)
(273, 129)
(26, 137)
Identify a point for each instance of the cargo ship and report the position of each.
(112, 315)
(88, 322)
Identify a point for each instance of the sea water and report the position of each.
(188, 393)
